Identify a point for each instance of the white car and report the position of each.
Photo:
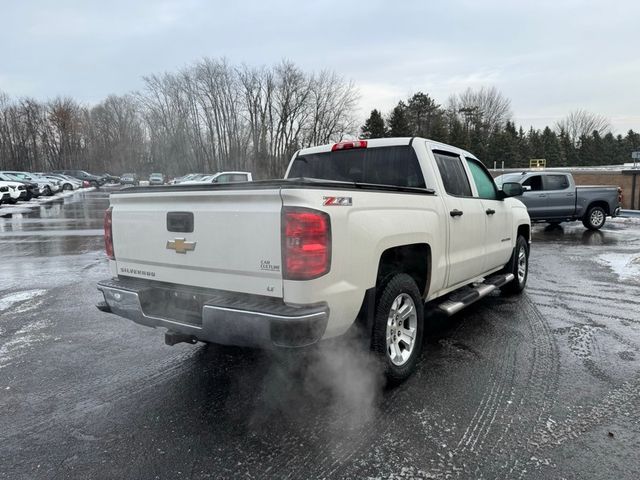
(221, 177)
(358, 236)
(187, 177)
(46, 187)
(66, 182)
(16, 190)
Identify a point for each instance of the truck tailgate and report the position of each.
(234, 244)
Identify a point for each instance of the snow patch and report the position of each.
(21, 341)
(8, 300)
(625, 265)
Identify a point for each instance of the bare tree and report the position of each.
(333, 101)
(209, 116)
(580, 123)
(485, 108)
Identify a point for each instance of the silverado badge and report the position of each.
(180, 245)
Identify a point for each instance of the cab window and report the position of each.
(484, 182)
(453, 175)
(534, 183)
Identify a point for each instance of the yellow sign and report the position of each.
(538, 163)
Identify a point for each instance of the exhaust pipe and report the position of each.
(172, 338)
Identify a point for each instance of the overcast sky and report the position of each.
(548, 57)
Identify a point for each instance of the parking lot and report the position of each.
(542, 385)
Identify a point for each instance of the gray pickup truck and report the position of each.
(553, 197)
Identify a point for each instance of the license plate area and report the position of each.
(172, 305)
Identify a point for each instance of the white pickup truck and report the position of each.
(361, 235)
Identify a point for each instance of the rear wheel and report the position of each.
(398, 327)
(595, 218)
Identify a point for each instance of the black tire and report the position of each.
(595, 218)
(515, 262)
(67, 187)
(398, 288)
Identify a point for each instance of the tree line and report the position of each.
(480, 121)
(214, 115)
(208, 117)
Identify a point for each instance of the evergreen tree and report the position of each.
(425, 117)
(462, 125)
(398, 122)
(456, 135)
(374, 126)
(551, 147)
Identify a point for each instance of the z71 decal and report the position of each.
(337, 201)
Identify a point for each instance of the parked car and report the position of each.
(33, 191)
(5, 195)
(553, 197)
(156, 179)
(187, 177)
(17, 191)
(94, 180)
(358, 236)
(68, 182)
(45, 187)
(222, 177)
(129, 179)
(108, 178)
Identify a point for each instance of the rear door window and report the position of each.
(453, 175)
(397, 166)
(556, 182)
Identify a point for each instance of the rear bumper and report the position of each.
(215, 316)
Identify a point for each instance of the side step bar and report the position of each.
(460, 300)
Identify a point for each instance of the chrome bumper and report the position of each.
(218, 317)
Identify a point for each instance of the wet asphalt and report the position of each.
(541, 385)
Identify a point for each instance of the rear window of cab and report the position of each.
(394, 165)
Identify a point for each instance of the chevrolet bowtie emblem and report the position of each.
(180, 245)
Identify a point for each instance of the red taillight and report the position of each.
(349, 145)
(306, 243)
(85, 184)
(108, 234)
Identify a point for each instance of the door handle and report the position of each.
(490, 211)
(455, 213)
(569, 194)
(542, 194)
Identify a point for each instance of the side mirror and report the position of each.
(511, 189)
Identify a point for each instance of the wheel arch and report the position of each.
(597, 203)
(524, 230)
(413, 259)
